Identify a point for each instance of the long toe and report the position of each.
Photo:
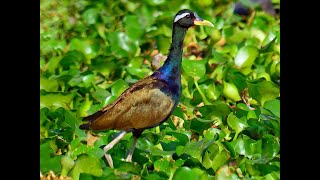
(109, 160)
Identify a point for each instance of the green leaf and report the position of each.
(162, 165)
(195, 149)
(246, 56)
(55, 100)
(226, 173)
(67, 164)
(220, 159)
(72, 58)
(273, 106)
(48, 84)
(86, 164)
(82, 80)
(237, 124)
(101, 94)
(122, 45)
(207, 162)
(184, 173)
(90, 15)
(48, 162)
(231, 92)
(141, 73)
(194, 68)
(118, 87)
(104, 65)
(86, 46)
(263, 91)
(133, 27)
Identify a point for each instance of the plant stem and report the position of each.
(205, 101)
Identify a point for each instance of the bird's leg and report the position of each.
(133, 146)
(110, 145)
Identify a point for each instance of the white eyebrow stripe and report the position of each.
(178, 17)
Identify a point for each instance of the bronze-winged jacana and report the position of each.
(151, 100)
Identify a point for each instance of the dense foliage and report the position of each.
(226, 125)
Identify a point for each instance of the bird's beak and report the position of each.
(201, 22)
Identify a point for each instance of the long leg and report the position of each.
(133, 146)
(110, 145)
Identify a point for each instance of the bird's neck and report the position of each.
(171, 69)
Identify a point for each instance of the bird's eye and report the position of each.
(188, 16)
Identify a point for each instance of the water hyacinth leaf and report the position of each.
(162, 45)
(229, 147)
(86, 164)
(71, 119)
(207, 162)
(236, 78)
(84, 107)
(194, 149)
(90, 16)
(55, 100)
(122, 45)
(212, 133)
(141, 73)
(227, 173)
(220, 159)
(178, 163)
(67, 164)
(133, 27)
(273, 106)
(162, 165)
(72, 58)
(263, 91)
(118, 87)
(237, 124)
(104, 65)
(88, 47)
(154, 2)
(82, 80)
(194, 68)
(213, 91)
(144, 144)
(48, 84)
(101, 94)
(271, 147)
(48, 162)
(231, 92)
(246, 56)
(184, 173)
(183, 138)
(270, 38)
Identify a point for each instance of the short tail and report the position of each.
(84, 126)
(90, 118)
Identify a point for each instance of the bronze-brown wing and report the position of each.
(142, 105)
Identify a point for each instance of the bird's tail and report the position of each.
(90, 118)
(84, 126)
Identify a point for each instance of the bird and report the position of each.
(266, 5)
(151, 100)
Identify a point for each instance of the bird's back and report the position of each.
(145, 104)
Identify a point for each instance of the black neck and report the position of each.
(175, 52)
(172, 66)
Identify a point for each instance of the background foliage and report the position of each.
(227, 123)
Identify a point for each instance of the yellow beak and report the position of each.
(202, 22)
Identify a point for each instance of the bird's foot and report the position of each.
(109, 160)
(129, 158)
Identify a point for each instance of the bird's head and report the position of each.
(187, 18)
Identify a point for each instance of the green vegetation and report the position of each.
(227, 124)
